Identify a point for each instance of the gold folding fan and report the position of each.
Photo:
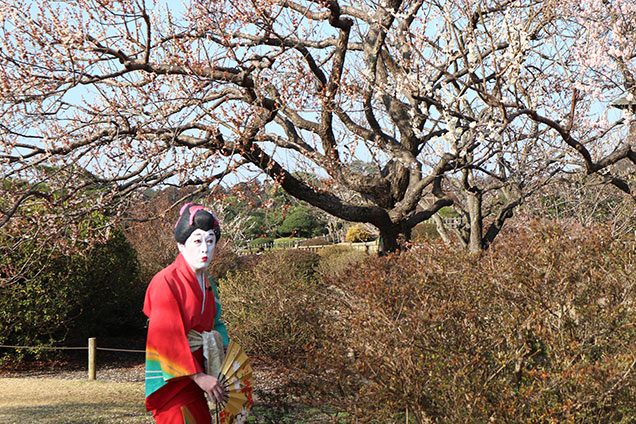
(236, 377)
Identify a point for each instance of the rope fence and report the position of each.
(91, 348)
(45, 347)
(120, 350)
(72, 348)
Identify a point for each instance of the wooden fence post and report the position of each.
(92, 348)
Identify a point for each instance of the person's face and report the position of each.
(198, 249)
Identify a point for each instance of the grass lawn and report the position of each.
(54, 401)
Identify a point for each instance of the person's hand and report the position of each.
(210, 385)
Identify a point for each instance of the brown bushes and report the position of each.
(538, 329)
(271, 304)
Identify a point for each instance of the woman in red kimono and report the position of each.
(180, 301)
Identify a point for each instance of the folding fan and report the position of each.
(236, 377)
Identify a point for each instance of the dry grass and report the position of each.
(54, 401)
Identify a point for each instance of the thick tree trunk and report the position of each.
(388, 241)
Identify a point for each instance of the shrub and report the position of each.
(153, 241)
(425, 231)
(258, 242)
(225, 261)
(69, 297)
(317, 241)
(109, 291)
(357, 233)
(335, 259)
(538, 329)
(272, 308)
(285, 242)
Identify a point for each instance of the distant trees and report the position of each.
(266, 211)
(248, 213)
(586, 201)
(300, 222)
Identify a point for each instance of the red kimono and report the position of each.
(174, 304)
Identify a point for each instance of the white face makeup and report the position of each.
(198, 249)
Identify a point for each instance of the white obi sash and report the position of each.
(212, 344)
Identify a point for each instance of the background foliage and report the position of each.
(272, 304)
(68, 297)
(538, 329)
